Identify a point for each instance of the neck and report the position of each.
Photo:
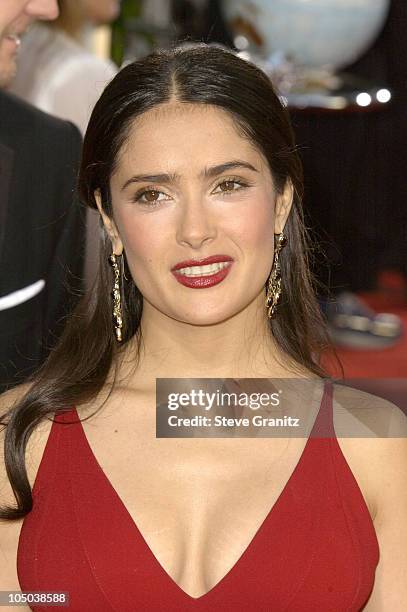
(73, 23)
(239, 347)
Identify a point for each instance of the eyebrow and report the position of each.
(173, 178)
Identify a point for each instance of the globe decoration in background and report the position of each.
(303, 44)
(313, 33)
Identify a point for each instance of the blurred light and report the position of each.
(244, 55)
(241, 42)
(363, 99)
(337, 103)
(383, 95)
(101, 41)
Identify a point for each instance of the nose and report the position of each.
(196, 226)
(46, 10)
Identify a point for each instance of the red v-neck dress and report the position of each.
(316, 550)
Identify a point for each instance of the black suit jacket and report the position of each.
(42, 234)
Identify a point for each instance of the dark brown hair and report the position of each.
(78, 368)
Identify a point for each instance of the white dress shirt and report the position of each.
(59, 76)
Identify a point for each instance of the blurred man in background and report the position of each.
(8, 53)
(56, 71)
(58, 74)
(41, 224)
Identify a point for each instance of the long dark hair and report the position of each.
(87, 352)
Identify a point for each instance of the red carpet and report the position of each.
(382, 366)
(385, 363)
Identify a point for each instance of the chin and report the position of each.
(6, 79)
(204, 318)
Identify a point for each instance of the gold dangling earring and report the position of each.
(117, 309)
(274, 283)
(123, 267)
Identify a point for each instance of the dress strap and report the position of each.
(69, 415)
(50, 460)
(324, 426)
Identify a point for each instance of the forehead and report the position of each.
(181, 136)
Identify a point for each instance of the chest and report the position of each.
(196, 518)
(198, 504)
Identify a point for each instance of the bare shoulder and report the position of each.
(362, 414)
(7, 401)
(11, 397)
(35, 444)
(372, 434)
(10, 530)
(379, 464)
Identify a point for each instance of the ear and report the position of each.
(110, 226)
(283, 206)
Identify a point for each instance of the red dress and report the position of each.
(316, 550)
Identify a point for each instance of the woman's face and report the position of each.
(198, 211)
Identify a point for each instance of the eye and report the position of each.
(227, 186)
(150, 195)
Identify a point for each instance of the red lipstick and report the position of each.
(207, 280)
(202, 262)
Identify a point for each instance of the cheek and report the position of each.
(254, 233)
(148, 238)
(254, 224)
(144, 240)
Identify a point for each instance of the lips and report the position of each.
(205, 281)
(202, 262)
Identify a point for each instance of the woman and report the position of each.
(188, 155)
(56, 72)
